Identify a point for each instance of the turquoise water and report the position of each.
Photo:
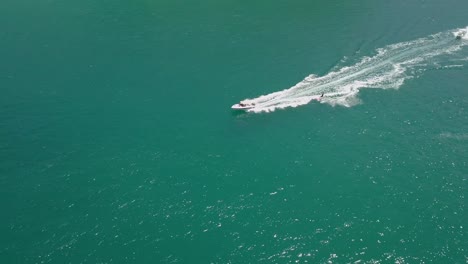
(118, 144)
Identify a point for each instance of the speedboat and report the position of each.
(243, 106)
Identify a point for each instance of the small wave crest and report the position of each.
(389, 68)
(457, 136)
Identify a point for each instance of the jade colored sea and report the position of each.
(118, 143)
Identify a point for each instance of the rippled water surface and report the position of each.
(118, 144)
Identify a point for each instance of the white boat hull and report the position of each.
(240, 107)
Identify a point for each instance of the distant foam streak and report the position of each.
(457, 136)
(389, 68)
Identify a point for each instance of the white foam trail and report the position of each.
(463, 32)
(389, 68)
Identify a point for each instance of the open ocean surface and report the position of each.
(118, 144)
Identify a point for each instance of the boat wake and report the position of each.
(388, 68)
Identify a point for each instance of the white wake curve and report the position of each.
(389, 68)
